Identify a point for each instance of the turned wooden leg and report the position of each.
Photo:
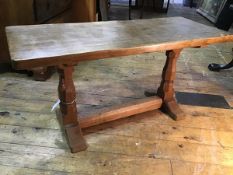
(67, 96)
(166, 90)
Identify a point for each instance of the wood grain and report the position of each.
(33, 46)
(83, 10)
(11, 14)
(122, 111)
(67, 96)
(166, 88)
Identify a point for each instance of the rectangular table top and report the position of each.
(54, 44)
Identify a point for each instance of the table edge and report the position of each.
(73, 59)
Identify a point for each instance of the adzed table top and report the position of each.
(54, 44)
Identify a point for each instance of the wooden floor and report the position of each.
(32, 141)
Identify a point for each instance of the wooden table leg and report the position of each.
(67, 96)
(166, 90)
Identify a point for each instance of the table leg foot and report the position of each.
(173, 110)
(67, 96)
(75, 138)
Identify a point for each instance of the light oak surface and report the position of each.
(33, 46)
(136, 107)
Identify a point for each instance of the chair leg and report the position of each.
(168, 4)
(130, 6)
(218, 67)
(154, 4)
(142, 9)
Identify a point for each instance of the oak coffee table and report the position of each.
(65, 45)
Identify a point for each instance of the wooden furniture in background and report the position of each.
(84, 10)
(27, 12)
(12, 13)
(91, 41)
